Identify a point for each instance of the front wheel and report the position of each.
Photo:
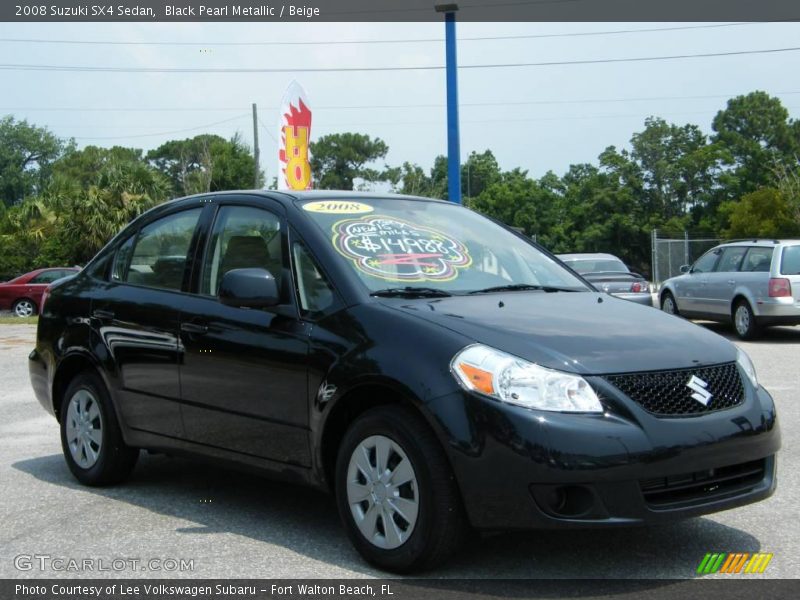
(668, 304)
(90, 435)
(744, 321)
(396, 493)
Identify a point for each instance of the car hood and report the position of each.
(581, 332)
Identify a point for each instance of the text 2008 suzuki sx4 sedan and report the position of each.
(432, 368)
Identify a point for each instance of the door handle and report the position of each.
(103, 314)
(731, 282)
(194, 328)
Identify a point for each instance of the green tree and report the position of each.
(340, 158)
(758, 135)
(764, 213)
(478, 173)
(206, 163)
(27, 154)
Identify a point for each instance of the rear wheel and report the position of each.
(24, 308)
(668, 304)
(90, 435)
(744, 321)
(396, 493)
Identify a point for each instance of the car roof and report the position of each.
(588, 256)
(760, 242)
(290, 196)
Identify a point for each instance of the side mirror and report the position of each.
(686, 269)
(250, 288)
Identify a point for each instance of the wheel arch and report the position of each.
(68, 368)
(353, 403)
(739, 296)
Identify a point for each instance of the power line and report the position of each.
(386, 106)
(407, 123)
(373, 41)
(144, 135)
(108, 69)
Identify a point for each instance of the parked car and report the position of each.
(609, 274)
(752, 284)
(23, 295)
(430, 367)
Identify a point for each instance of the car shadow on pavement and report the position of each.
(305, 521)
(769, 335)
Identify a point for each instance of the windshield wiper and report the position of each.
(410, 292)
(522, 287)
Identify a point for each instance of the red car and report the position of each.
(23, 294)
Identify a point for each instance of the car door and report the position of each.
(136, 314)
(722, 280)
(243, 371)
(692, 289)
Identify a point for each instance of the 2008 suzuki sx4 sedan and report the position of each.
(433, 369)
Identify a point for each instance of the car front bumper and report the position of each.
(524, 469)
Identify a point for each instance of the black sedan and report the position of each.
(609, 274)
(433, 369)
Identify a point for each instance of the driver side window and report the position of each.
(243, 237)
(705, 264)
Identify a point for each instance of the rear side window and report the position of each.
(790, 261)
(159, 253)
(757, 260)
(731, 258)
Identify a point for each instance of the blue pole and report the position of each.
(453, 144)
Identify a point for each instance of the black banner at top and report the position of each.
(398, 10)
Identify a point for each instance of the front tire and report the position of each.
(90, 435)
(396, 493)
(24, 308)
(744, 321)
(668, 304)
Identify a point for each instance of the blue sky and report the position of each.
(539, 136)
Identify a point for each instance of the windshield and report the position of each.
(597, 266)
(395, 243)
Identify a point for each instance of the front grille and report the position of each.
(666, 393)
(701, 486)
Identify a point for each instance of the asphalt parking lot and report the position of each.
(235, 525)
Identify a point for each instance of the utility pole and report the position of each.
(453, 142)
(255, 146)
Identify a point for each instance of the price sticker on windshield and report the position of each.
(396, 250)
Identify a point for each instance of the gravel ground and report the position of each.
(235, 525)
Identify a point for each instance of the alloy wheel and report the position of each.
(669, 305)
(742, 319)
(84, 428)
(23, 308)
(382, 492)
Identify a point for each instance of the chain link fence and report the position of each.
(672, 249)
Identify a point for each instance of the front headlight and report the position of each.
(482, 369)
(747, 366)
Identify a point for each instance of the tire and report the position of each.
(418, 539)
(90, 435)
(668, 304)
(24, 307)
(744, 321)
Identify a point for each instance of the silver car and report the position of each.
(752, 284)
(609, 274)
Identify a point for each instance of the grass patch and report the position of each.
(19, 320)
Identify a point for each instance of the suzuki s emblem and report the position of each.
(698, 386)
